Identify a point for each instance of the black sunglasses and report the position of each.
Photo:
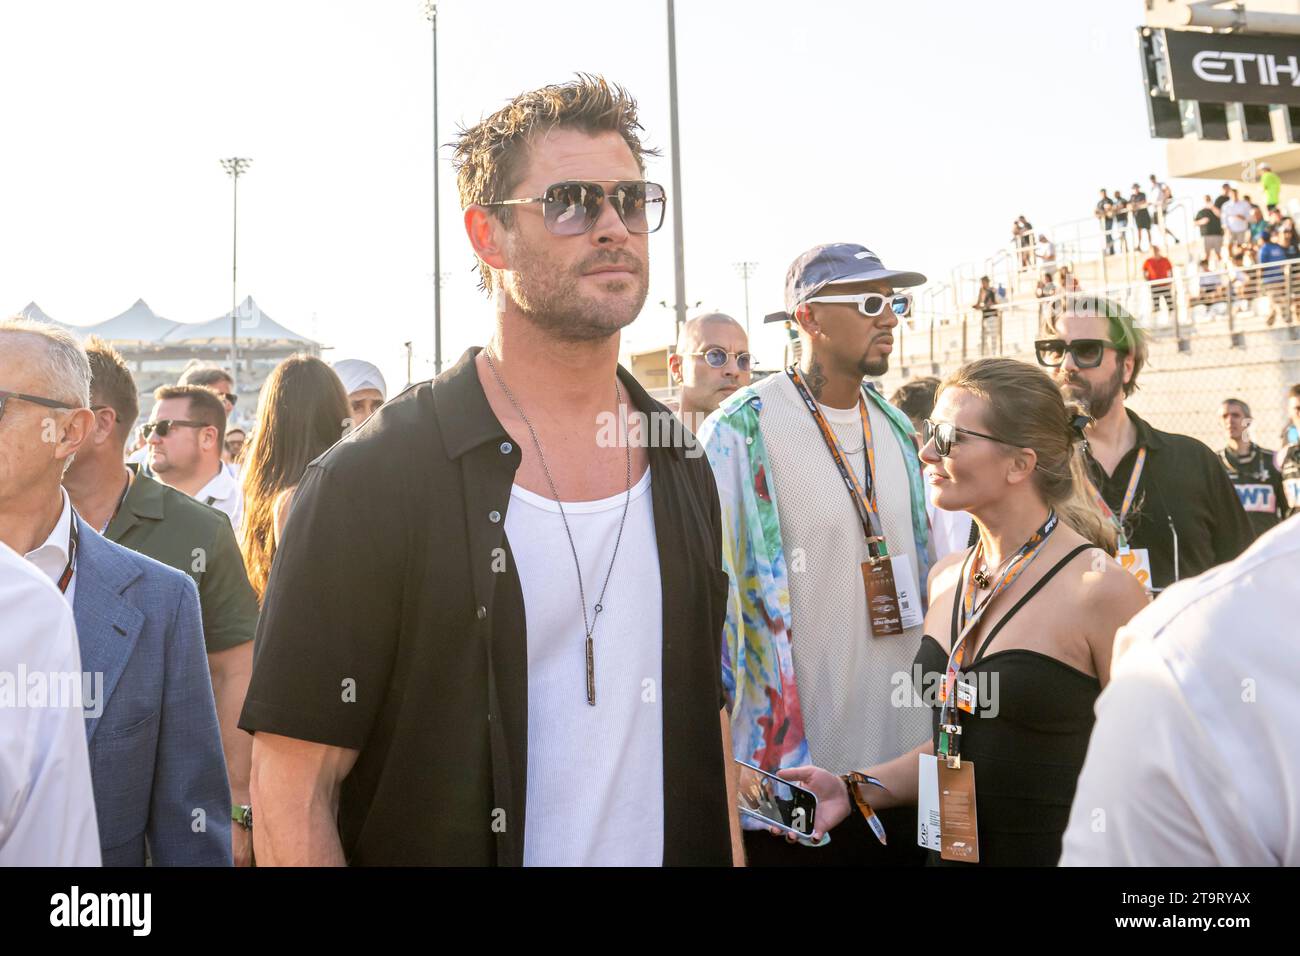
(572, 208)
(230, 397)
(34, 399)
(164, 426)
(944, 436)
(717, 358)
(1087, 352)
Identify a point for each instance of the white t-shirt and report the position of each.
(224, 494)
(846, 677)
(1209, 672)
(595, 791)
(47, 805)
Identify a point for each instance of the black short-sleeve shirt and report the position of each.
(1185, 513)
(389, 627)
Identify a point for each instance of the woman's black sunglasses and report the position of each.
(572, 208)
(1087, 352)
(944, 436)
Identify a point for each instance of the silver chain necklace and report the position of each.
(590, 627)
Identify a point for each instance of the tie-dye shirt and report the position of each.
(757, 665)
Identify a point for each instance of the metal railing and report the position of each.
(1263, 295)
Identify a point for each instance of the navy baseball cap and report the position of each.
(835, 263)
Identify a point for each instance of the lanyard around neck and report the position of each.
(864, 499)
(971, 613)
(70, 569)
(1129, 494)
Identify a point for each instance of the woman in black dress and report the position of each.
(1034, 607)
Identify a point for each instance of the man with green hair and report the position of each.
(1173, 506)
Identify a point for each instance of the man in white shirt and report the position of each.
(1209, 673)
(1236, 219)
(185, 434)
(47, 808)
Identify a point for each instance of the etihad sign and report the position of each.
(1230, 68)
(1266, 69)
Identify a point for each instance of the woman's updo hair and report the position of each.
(1025, 408)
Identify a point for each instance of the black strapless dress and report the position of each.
(1028, 750)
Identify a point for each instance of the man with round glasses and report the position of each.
(1176, 512)
(827, 547)
(712, 362)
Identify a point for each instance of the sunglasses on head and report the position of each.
(572, 208)
(872, 304)
(164, 426)
(944, 435)
(717, 358)
(1087, 353)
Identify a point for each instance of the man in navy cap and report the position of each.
(826, 544)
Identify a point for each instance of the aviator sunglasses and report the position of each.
(572, 208)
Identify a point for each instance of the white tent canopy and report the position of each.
(251, 324)
(137, 324)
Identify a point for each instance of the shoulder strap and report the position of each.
(1038, 586)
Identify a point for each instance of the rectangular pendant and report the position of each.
(591, 673)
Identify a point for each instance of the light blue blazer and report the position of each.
(156, 762)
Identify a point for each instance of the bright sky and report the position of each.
(919, 129)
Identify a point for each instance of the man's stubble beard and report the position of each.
(1097, 403)
(554, 303)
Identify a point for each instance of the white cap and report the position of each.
(356, 375)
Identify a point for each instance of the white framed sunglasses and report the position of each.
(872, 304)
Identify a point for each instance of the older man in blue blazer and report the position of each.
(156, 764)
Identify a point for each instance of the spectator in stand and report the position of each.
(1273, 279)
(1068, 282)
(1223, 198)
(1046, 293)
(986, 302)
(1161, 197)
(1105, 213)
(1121, 219)
(1158, 271)
(1209, 283)
(1236, 216)
(1137, 201)
(1045, 251)
(1022, 230)
(303, 411)
(1207, 220)
(1258, 227)
(1271, 184)
(1286, 238)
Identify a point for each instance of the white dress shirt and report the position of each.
(47, 806)
(1191, 761)
(224, 494)
(52, 556)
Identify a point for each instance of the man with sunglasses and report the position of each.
(185, 433)
(156, 763)
(822, 501)
(1169, 496)
(712, 361)
(527, 631)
